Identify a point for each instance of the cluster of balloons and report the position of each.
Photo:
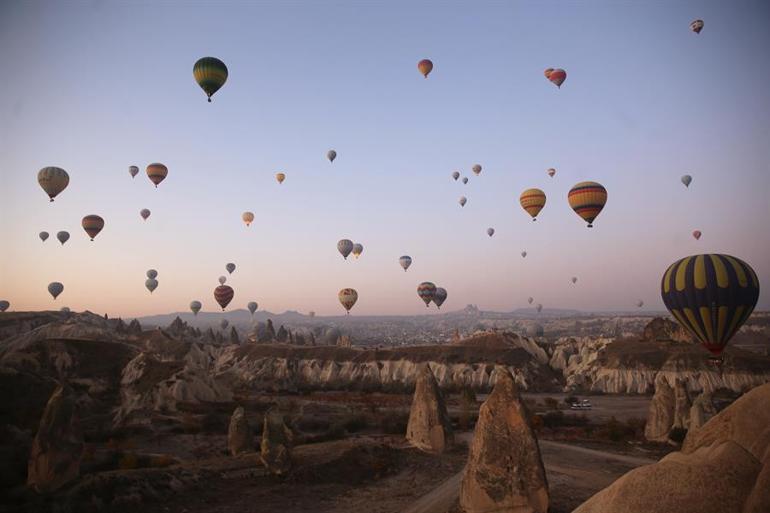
(62, 236)
(428, 292)
(151, 283)
(346, 247)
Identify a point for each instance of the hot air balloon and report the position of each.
(465, 179)
(92, 224)
(157, 172)
(538, 307)
(4, 305)
(133, 171)
(230, 268)
(686, 179)
(425, 66)
(280, 177)
(455, 175)
(55, 288)
(248, 217)
(427, 291)
(224, 323)
(557, 76)
(53, 180)
(223, 295)
(574, 279)
(696, 234)
(587, 199)
(439, 297)
(357, 250)
(523, 254)
(640, 303)
(551, 171)
(145, 213)
(533, 201)
(151, 274)
(476, 169)
(151, 284)
(490, 231)
(463, 200)
(222, 280)
(696, 26)
(195, 307)
(64, 309)
(63, 237)
(530, 299)
(711, 296)
(548, 72)
(345, 246)
(43, 236)
(211, 74)
(405, 261)
(348, 298)
(331, 155)
(252, 306)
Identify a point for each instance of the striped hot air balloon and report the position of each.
(425, 66)
(427, 291)
(557, 76)
(587, 199)
(53, 180)
(711, 296)
(348, 298)
(696, 26)
(157, 172)
(405, 261)
(223, 295)
(533, 201)
(92, 224)
(345, 246)
(211, 75)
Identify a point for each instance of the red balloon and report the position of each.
(557, 76)
(223, 295)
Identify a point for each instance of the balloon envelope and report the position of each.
(426, 290)
(223, 295)
(345, 246)
(539, 307)
(252, 306)
(574, 279)
(151, 284)
(248, 217)
(425, 66)
(92, 224)
(439, 297)
(551, 172)
(145, 213)
(211, 75)
(490, 231)
(465, 179)
(523, 254)
(222, 280)
(63, 237)
(557, 76)
(587, 199)
(43, 236)
(230, 267)
(133, 171)
(455, 175)
(4, 305)
(331, 155)
(463, 200)
(152, 274)
(405, 261)
(530, 299)
(476, 169)
(686, 180)
(357, 250)
(348, 298)
(195, 307)
(53, 180)
(280, 177)
(710, 295)
(532, 201)
(55, 288)
(696, 26)
(696, 234)
(157, 172)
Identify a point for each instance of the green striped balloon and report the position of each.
(211, 74)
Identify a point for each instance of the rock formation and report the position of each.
(505, 471)
(660, 416)
(429, 427)
(134, 327)
(344, 341)
(723, 467)
(702, 411)
(682, 406)
(282, 335)
(239, 437)
(234, 339)
(58, 446)
(276, 444)
(660, 329)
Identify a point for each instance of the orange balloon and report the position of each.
(425, 66)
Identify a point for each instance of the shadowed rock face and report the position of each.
(505, 471)
(276, 444)
(702, 411)
(723, 467)
(429, 427)
(239, 434)
(660, 417)
(58, 446)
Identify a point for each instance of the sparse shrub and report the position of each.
(355, 423)
(163, 460)
(128, 461)
(677, 435)
(615, 430)
(394, 424)
(551, 403)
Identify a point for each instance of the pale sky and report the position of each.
(94, 87)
